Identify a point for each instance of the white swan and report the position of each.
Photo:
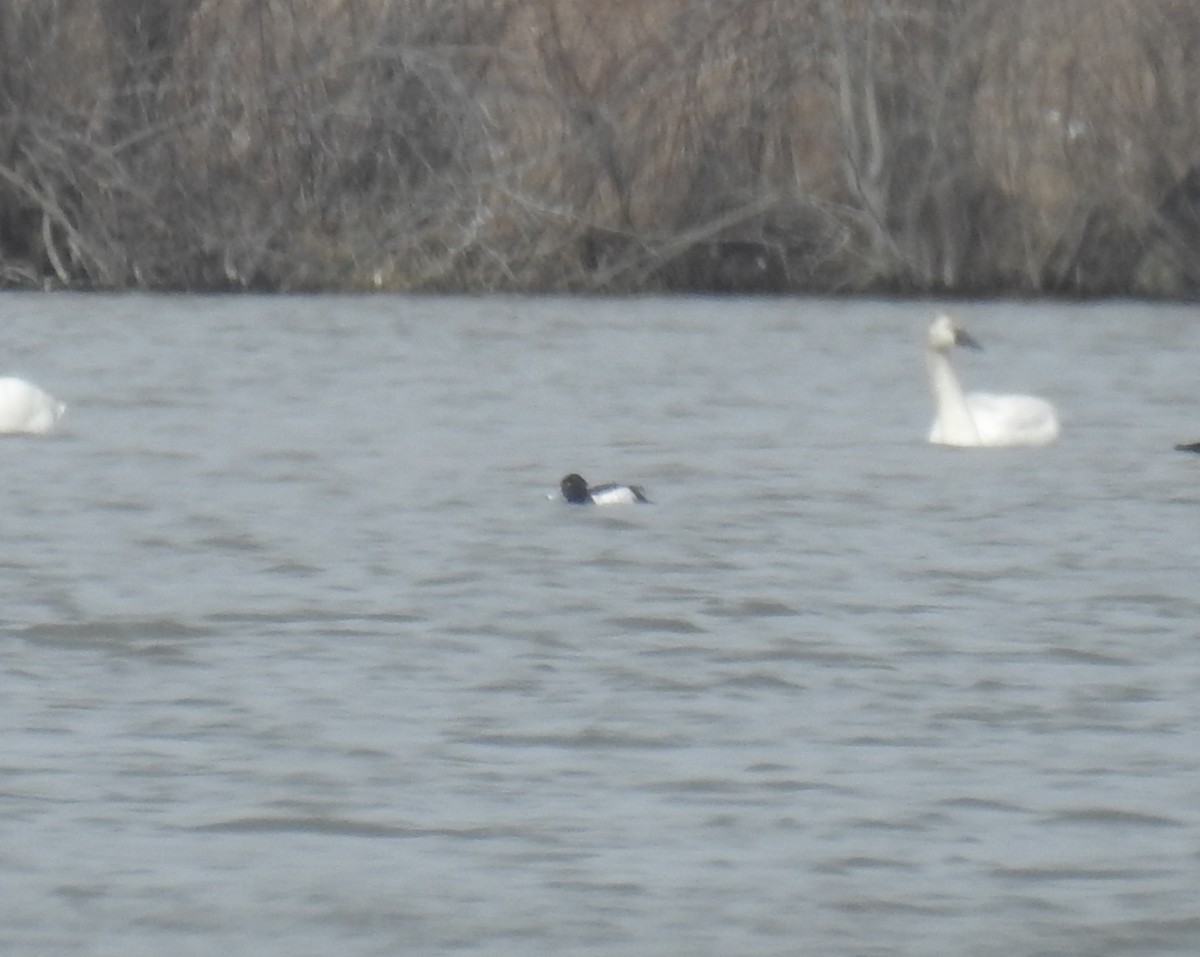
(24, 408)
(979, 419)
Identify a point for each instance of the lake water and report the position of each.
(302, 656)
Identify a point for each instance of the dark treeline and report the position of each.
(956, 146)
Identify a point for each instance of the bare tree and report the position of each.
(820, 145)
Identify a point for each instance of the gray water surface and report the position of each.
(301, 654)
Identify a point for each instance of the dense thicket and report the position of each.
(964, 146)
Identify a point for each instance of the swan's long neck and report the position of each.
(957, 424)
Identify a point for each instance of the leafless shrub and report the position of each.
(821, 145)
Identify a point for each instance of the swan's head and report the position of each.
(944, 334)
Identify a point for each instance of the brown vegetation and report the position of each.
(960, 146)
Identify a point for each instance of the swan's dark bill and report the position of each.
(964, 338)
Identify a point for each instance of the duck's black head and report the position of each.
(575, 489)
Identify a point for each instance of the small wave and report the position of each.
(146, 638)
(1051, 874)
(586, 739)
(1119, 816)
(846, 865)
(305, 615)
(753, 608)
(341, 827)
(677, 626)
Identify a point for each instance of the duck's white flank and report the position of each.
(615, 495)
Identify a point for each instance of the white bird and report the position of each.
(979, 419)
(24, 408)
